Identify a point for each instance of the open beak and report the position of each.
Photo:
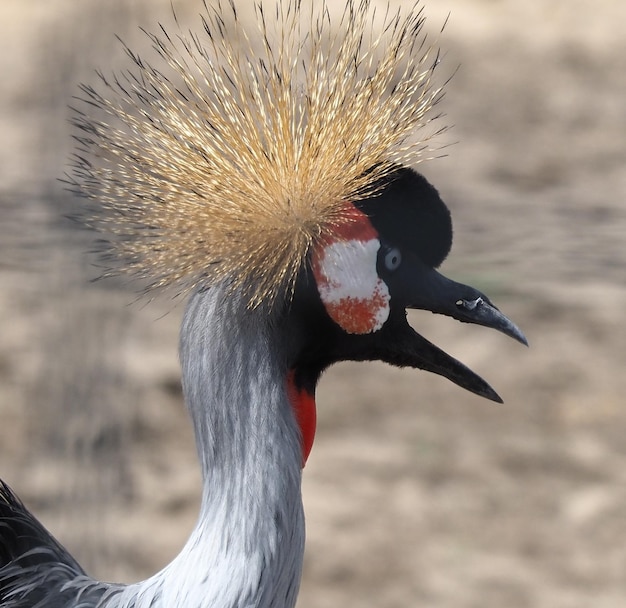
(424, 288)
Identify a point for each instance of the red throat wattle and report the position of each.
(303, 404)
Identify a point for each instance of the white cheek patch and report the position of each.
(354, 295)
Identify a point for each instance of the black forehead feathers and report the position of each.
(408, 213)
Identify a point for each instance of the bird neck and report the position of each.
(248, 544)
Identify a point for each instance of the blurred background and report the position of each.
(417, 493)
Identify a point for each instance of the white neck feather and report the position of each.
(246, 549)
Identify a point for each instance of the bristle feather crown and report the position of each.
(233, 153)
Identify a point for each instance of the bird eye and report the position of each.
(393, 258)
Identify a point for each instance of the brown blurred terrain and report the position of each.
(417, 494)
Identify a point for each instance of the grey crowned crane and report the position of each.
(265, 171)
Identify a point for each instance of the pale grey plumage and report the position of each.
(246, 549)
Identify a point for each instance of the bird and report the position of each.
(267, 172)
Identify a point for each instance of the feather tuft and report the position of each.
(228, 156)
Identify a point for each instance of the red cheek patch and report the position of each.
(344, 267)
(360, 315)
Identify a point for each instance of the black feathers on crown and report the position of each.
(409, 208)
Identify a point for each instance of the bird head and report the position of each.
(273, 158)
(351, 301)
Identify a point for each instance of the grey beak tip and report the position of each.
(493, 396)
(521, 338)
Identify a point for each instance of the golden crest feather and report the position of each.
(234, 151)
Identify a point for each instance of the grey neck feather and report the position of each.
(247, 547)
(248, 544)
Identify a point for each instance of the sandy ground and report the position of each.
(417, 494)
